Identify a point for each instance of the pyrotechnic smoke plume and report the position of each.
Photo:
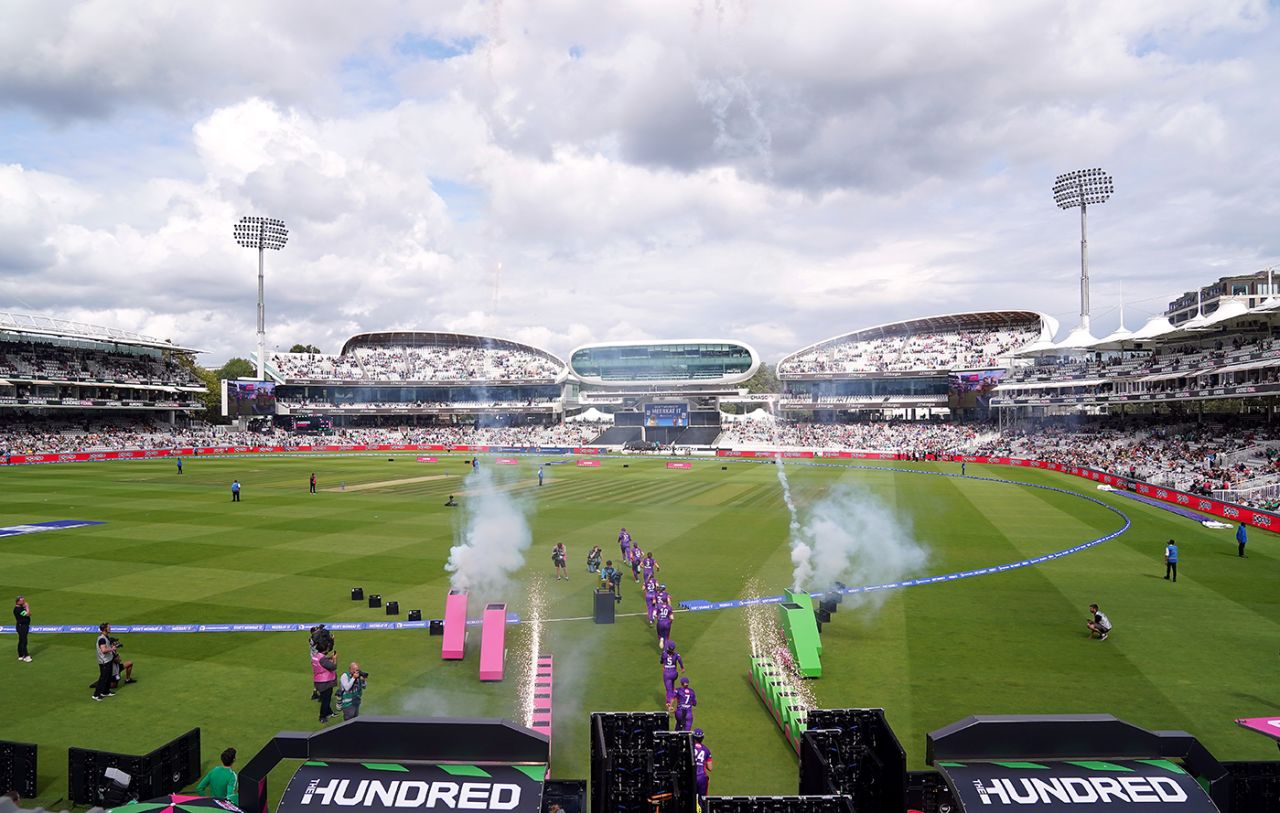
(491, 541)
(849, 536)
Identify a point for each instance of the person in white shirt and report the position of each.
(1098, 623)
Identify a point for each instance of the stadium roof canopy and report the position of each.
(946, 323)
(444, 339)
(52, 327)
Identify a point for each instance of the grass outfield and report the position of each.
(174, 549)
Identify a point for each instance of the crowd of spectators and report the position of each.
(298, 402)
(61, 436)
(1234, 460)
(1188, 358)
(27, 361)
(1202, 458)
(905, 437)
(317, 367)
(942, 350)
(419, 364)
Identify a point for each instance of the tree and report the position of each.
(304, 348)
(764, 381)
(236, 368)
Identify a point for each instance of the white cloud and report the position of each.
(774, 172)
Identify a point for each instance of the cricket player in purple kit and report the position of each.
(662, 596)
(650, 593)
(670, 660)
(701, 764)
(649, 566)
(664, 613)
(624, 542)
(686, 699)
(637, 556)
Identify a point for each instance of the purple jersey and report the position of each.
(649, 565)
(686, 699)
(701, 756)
(664, 612)
(670, 660)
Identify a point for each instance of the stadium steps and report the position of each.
(618, 435)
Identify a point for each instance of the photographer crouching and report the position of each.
(324, 668)
(351, 691)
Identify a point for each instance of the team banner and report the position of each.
(337, 787)
(1115, 786)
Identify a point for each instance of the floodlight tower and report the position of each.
(1081, 188)
(261, 233)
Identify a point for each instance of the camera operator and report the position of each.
(106, 658)
(119, 666)
(321, 640)
(324, 675)
(351, 691)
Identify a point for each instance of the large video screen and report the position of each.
(250, 398)
(972, 390)
(666, 414)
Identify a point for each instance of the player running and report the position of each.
(686, 699)
(650, 593)
(637, 557)
(624, 543)
(664, 614)
(701, 764)
(649, 566)
(671, 661)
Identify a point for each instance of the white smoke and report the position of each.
(491, 541)
(849, 536)
(786, 498)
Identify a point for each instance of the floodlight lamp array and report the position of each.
(1082, 187)
(261, 232)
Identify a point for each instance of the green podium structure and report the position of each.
(800, 626)
(776, 693)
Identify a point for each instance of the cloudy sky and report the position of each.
(562, 172)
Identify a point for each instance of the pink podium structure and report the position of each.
(455, 626)
(493, 642)
(543, 679)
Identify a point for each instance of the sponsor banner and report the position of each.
(334, 787)
(591, 464)
(42, 527)
(674, 465)
(292, 626)
(1061, 786)
(506, 461)
(422, 459)
(1267, 726)
(588, 450)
